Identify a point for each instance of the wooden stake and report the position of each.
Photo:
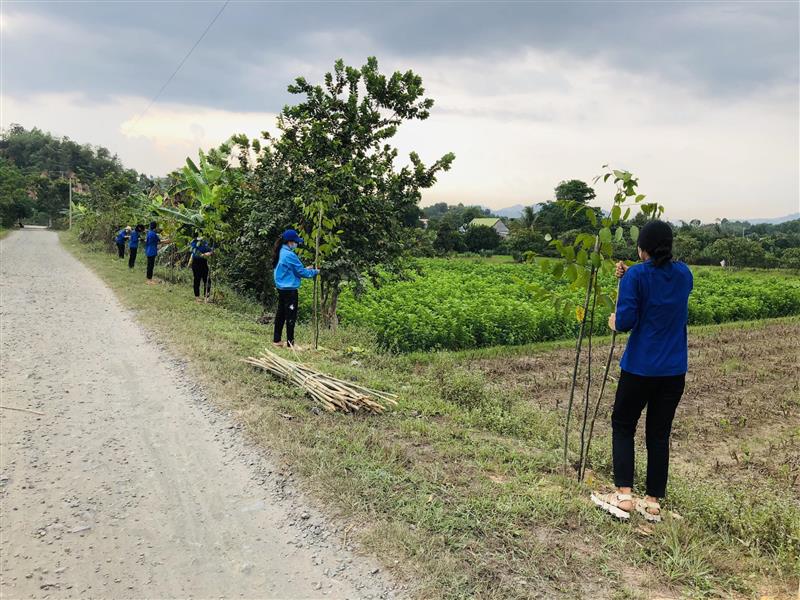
(316, 283)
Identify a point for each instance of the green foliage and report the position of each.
(574, 190)
(455, 304)
(15, 203)
(481, 237)
(335, 148)
(448, 238)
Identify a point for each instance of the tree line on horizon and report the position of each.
(738, 243)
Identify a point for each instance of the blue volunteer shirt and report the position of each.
(120, 236)
(199, 248)
(134, 241)
(151, 243)
(289, 270)
(653, 305)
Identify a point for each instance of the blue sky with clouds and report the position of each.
(698, 98)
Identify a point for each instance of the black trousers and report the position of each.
(200, 272)
(661, 395)
(151, 263)
(286, 313)
(121, 250)
(132, 257)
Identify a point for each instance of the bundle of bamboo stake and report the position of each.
(331, 393)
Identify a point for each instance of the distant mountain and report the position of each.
(773, 221)
(512, 212)
(776, 220)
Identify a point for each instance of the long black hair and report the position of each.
(276, 251)
(655, 238)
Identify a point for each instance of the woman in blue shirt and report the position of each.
(133, 245)
(287, 272)
(120, 240)
(200, 253)
(653, 305)
(151, 250)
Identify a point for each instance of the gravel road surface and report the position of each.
(131, 484)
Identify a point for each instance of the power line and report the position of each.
(178, 68)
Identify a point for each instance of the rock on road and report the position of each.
(130, 484)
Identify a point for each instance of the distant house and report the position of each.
(492, 222)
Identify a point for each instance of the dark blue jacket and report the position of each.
(653, 305)
(134, 239)
(151, 243)
(121, 236)
(200, 247)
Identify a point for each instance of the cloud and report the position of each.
(158, 143)
(698, 99)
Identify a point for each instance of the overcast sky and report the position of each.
(699, 99)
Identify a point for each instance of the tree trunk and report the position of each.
(330, 299)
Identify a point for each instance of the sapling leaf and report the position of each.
(605, 234)
(592, 216)
(615, 213)
(558, 270)
(634, 233)
(618, 234)
(571, 272)
(581, 257)
(596, 259)
(627, 214)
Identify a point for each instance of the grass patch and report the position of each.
(460, 488)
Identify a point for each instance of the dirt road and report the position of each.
(130, 484)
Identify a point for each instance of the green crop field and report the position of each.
(455, 304)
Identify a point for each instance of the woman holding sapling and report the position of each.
(287, 273)
(653, 305)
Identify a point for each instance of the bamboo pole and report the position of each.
(316, 282)
(578, 357)
(588, 390)
(600, 394)
(329, 392)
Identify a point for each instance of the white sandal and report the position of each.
(610, 503)
(643, 507)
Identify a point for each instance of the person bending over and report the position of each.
(120, 240)
(201, 251)
(287, 272)
(151, 250)
(653, 305)
(133, 245)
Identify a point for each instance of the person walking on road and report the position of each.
(120, 240)
(133, 245)
(201, 252)
(653, 305)
(287, 273)
(151, 250)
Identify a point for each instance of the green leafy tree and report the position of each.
(481, 237)
(737, 252)
(336, 144)
(448, 238)
(528, 217)
(574, 190)
(686, 248)
(15, 203)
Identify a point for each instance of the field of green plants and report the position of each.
(458, 303)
